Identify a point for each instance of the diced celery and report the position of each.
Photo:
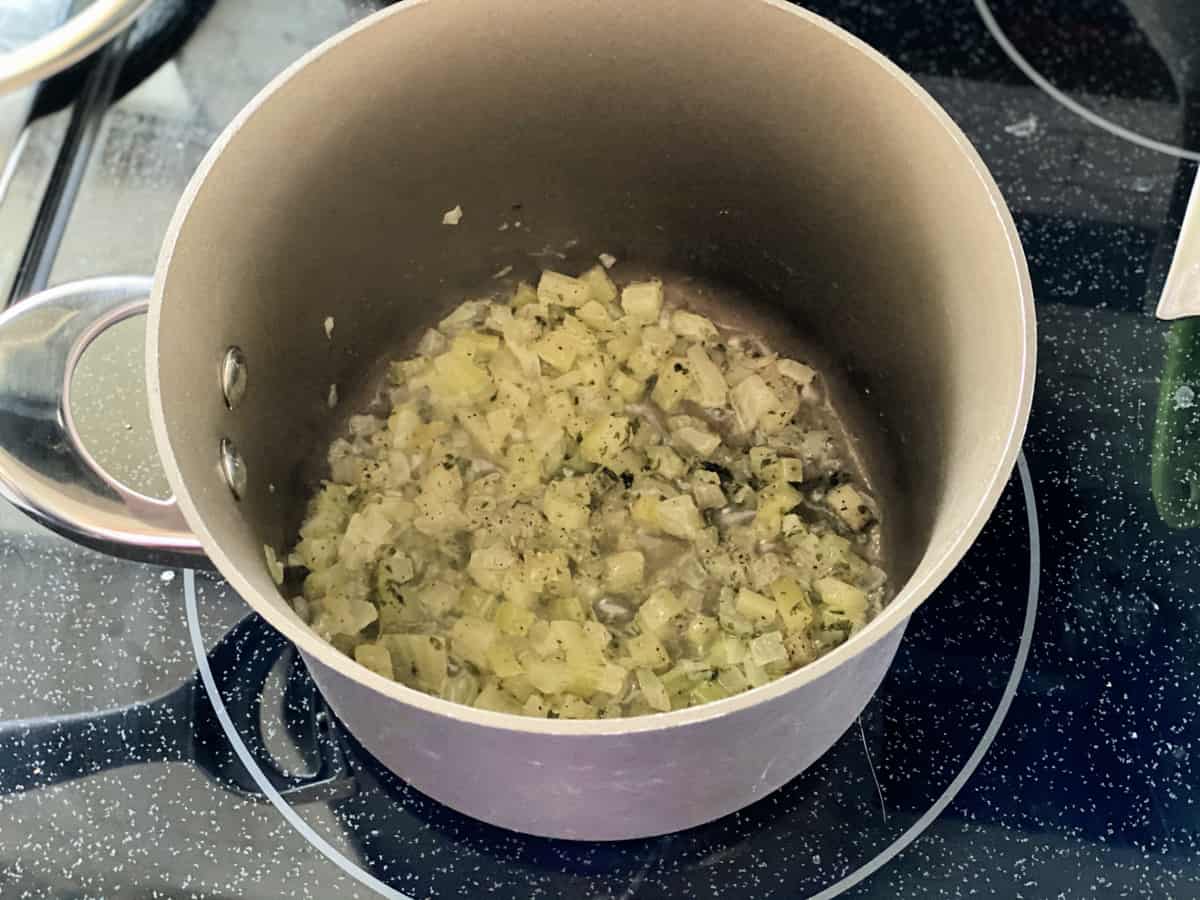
(700, 441)
(692, 326)
(800, 649)
(600, 285)
(461, 688)
(793, 605)
(548, 676)
(549, 572)
(680, 518)
(773, 502)
(708, 691)
(658, 340)
(701, 632)
(597, 635)
(488, 565)
(642, 362)
(610, 679)
(796, 371)
(475, 345)
(375, 657)
(645, 511)
(513, 619)
(558, 348)
(751, 399)
(603, 442)
(345, 615)
(470, 639)
(516, 587)
(436, 598)
(518, 686)
(665, 462)
(565, 503)
(562, 290)
(754, 673)
(850, 506)
(732, 679)
(475, 601)
(653, 690)
(594, 315)
(536, 705)
(759, 610)
(629, 388)
(733, 621)
(768, 648)
(461, 381)
(624, 571)
(502, 660)
(568, 608)
(674, 380)
(706, 490)
(419, 660)
(496, 700)
(572, 707)
(643, 300)
(726, 651)
(432, 343)
(709, 384)
(762, 461)
(841, 601)
(647, 650)
(790, 470)
(658, 610)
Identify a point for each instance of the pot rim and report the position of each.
(895, 614)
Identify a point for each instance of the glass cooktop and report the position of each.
(1035, 737)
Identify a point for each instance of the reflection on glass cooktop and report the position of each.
(1035, 736)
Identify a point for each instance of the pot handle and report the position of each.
(85, 33)
(44, 468)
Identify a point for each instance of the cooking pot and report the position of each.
(749, 145)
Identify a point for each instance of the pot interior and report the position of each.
(742, 145)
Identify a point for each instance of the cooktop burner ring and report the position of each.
(359, 874)
(1047, 86)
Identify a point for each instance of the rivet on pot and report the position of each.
(233, 376)
(233, 468)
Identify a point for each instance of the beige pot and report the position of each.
(746, 143)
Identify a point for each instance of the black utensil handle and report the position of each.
(183, 725)
(241, 665)
(36, 753)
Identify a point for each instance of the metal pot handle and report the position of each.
(80, 36)
(44, 468)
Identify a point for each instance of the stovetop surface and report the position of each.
(1037, 736)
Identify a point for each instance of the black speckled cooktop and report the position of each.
(1037, 734)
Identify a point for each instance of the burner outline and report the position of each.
(1010, 50)
(873, 865)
